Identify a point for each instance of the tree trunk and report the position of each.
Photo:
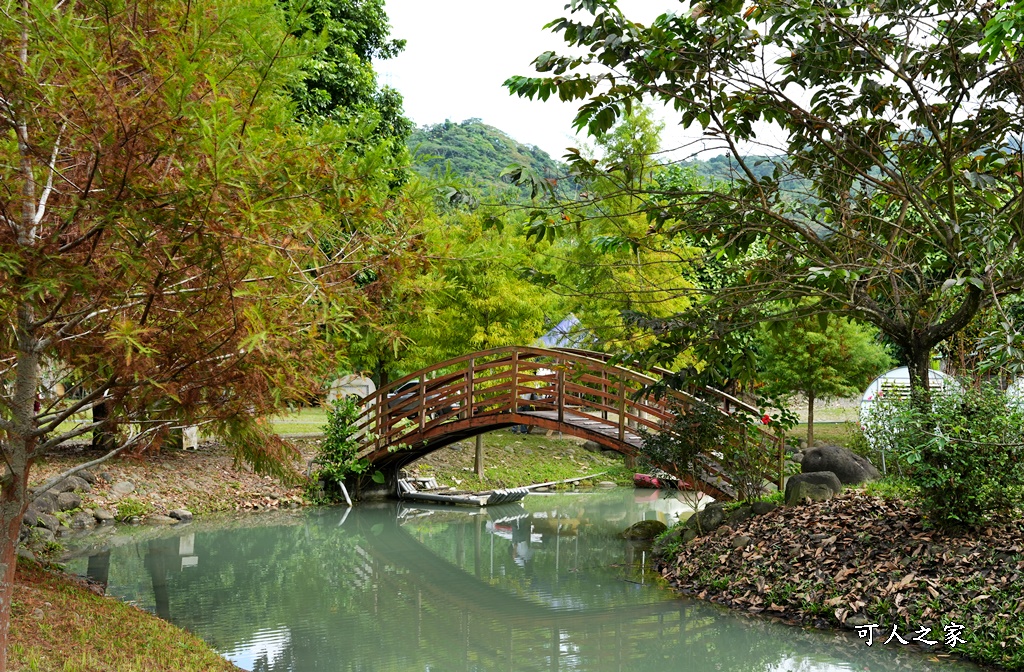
(810, 419)
(102, 436)
(13, 503)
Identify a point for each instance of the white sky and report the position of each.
(459, 52)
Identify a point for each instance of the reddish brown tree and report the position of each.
(162, 228)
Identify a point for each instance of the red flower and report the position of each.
(766, 419)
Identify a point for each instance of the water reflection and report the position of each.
(546, 585)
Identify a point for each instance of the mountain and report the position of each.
(477, 152)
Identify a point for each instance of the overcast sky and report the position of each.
(460, 51)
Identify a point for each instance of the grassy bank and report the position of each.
(58, 624)
(513, 460)
(860, 559)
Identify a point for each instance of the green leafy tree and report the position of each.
(158, 220)
(338, 81)
(820, 363)
(896, 197)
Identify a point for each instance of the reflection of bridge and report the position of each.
(413, 562)
(576, 392)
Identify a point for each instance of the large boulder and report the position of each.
(644, 530)
(850, 467)
(817, 486)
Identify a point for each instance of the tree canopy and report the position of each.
(899, 202)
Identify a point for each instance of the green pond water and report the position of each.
(542, 585)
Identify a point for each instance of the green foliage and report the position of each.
(338, 81)
(336, 457)
(479, 153)
(962, 452)
(897, 203)
(893, 487)
(702, 433)
(800, 356)
(129, 507)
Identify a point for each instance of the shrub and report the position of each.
(963, 453)
(703, 433)
(336, 459)
(130, 507)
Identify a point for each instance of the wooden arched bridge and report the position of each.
(577, 392)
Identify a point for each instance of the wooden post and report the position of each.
(782, 459)
(515, 381)
(478, 461)
(468, 413)
(561, 393)
(423, 401)
(622, 410)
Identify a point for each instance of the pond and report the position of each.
(546, 584)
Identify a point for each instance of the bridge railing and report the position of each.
(475, 388)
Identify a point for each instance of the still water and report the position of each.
(546, 584)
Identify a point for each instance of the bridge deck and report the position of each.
(592, 423)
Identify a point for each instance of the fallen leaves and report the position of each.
(821, 564)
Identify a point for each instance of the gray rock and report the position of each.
(814, 492)
(850, 467)
(106, 476)
(122, 488)
(606, 484)
(739, 515)
(45, 503)
(710, 517)
(797, 457)
(103, 515)
(645, 529)
(855, 621)
(87, 476)
(31, 518)
(49, 522)
(161, 520)
(817, 486)
(592, 446)
(73, 483)
(83, 520)
(826, 478)
(761, 508)
(25, 553)
(184, 515)
(68, 500)
(740, 541)
(43, 536)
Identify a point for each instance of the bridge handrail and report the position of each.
(493, 383)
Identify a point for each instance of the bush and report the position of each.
(129, 507)
(336, 459)
(703, 433)
(963, 453)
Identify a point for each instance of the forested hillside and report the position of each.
(476, 152)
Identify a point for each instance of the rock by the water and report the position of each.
(645, 529)
(184, 515)
(43, 536)
(49, 522)
(72, 483)
(850, 467)
(817, 486)
(83, 520)
(102, 515)
(606, 484)
(45, 503)
(708, 518)
(122, 488)
(161, 520)
(67, 501)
